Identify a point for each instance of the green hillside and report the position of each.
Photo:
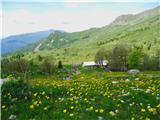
(141, 30)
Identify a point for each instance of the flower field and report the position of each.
(94, 96)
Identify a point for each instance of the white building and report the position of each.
(92, 63)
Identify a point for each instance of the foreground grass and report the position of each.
(90, 96)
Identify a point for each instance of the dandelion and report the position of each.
(72, 107)
(35, 103)
(31, 106)
(132, 118)
(151, 109)
(40, 102)
(101, 110)
(35, 94)
(143, 110)
(96, 110)
(91, 108)
(147, 118)
(64, 111)
(45, 108)
(74, 97)
(112, 113)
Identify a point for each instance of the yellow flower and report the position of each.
(74, 97)
(71, 114)
(35, 94)
(132, 118)
(112, 113)
(45, 108)
(91, 108)
(151, 109)
(35, 103)
(3, 106)
(96, 110)
(64, 110)
(143, 110)
(40, 102)
(72, 107)
(101, 110)
(147, 118)
(32, 106)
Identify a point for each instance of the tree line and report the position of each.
(19, 66)
(123, 57)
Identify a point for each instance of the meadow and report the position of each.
(87, 95)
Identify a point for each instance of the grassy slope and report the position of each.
(79, 46)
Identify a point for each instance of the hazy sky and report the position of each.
(22, 17)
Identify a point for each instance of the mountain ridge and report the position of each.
(15, 42)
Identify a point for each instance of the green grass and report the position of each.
(88, 96)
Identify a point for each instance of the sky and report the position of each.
(19, 16)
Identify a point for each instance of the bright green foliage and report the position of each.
(119, 56)
(100, 56)
(135, 58)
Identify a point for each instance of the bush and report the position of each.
(60, 66)
(47, 67)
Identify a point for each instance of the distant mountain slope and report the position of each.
(142, 29)
(133, 19)
(13, 43)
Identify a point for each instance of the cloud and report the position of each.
(36, 17)
(21, 21)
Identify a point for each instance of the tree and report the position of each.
(100, 56)
(17, 56)
(40, 58)
(16, 66)
(158, 59)
(5, 65)
(60, 66)
(135, 58)
(146, 63)
(119, 56)
(19, 66)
